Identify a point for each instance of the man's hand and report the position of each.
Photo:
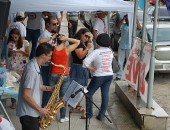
(92, 68)
(125, 16)
(54, 35)
(89, 44)
(44, 111)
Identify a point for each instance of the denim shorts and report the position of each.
(79, 74)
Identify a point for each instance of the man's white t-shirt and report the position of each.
(20, 27)
(100, 26)
(47, 34)
(102, 60)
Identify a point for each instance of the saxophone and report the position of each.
(53, 104)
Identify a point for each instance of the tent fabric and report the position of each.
(69, 5)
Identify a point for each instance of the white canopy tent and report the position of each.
(74, 5)
(70, 5)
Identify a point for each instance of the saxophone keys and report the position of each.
(52, 117)
(55, 112)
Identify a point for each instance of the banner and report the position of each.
(134, 63)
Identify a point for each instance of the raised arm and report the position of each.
(138, 24)
(82, 53)
(74, 44)
(47, 39)
(121, 21)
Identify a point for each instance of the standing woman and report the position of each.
(18, 53)
(77, 72)
(60, 57)
(103, 74)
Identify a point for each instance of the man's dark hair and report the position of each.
(43, 48)
(48, 19)
(19, 18)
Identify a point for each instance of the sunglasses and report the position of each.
(55, 24)
(87, 36)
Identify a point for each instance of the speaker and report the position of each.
(4, 12)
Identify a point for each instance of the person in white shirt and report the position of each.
(59, 17)
(99, 24)
(19, 24)
(49, 36)
(102, 74)
(50, 33)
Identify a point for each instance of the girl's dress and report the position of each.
(18, 61)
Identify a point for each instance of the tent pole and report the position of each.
(143, 41)
(134, 21)
(108, 23)
(152, 60)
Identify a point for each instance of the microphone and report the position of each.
(74, 94)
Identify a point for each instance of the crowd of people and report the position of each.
(91, 57)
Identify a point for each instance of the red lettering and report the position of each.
(129, 68)
(135, 70)
(142, 78)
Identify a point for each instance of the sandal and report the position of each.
(79, 109)
(83, 116)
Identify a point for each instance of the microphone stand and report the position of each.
(87, 97)
(70, 111)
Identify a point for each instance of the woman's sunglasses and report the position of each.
(87, 36)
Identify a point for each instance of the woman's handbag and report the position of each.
(115, 65)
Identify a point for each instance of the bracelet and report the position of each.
(46, 87)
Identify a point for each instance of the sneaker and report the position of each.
(62, 120)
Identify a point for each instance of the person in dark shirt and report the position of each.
(77, 72)
(72, 18)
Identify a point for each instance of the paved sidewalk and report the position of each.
(116, 112)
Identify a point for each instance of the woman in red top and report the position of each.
(60, 57)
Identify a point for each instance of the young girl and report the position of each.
(18, 53)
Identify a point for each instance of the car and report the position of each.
(140, 17)
(163, 14)
(162, 46)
